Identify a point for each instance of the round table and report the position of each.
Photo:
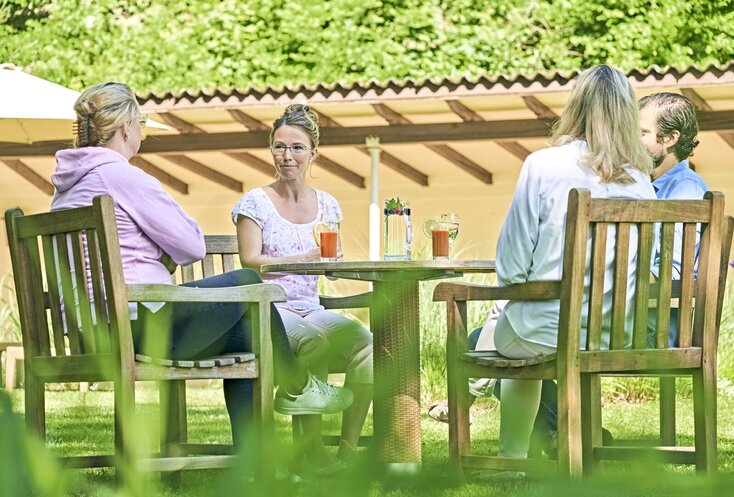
(395, 323)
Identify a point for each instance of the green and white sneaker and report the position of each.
(317, 397)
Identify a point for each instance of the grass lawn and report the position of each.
(77, 421)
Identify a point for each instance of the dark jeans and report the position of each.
(546, 421)
(201, 329)
(652, 320)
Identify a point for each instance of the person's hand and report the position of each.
(166, 260)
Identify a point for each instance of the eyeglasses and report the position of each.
(296, 150)
(143, 120)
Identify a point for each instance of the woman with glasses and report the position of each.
(156, 234)
(275, 225)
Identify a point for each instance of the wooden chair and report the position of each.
(578, 371)
(51, 253)
(222, 255)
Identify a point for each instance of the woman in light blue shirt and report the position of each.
(596, 145)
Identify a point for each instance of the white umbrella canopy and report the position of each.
(33, 109)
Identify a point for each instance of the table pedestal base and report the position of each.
(395, 323)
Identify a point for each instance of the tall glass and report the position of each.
(442, 233)
(328, 245)
(326, 234)
(398, 230)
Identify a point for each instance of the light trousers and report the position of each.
(520, 398)
(326, 342)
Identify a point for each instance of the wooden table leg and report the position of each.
(395, 323)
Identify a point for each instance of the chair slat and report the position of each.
(596, 286)
(32, 294)
(619, 295)
(665, 277)
(82, 293)
(67, 290)
(228, 262)
(102, 332)
(685, 300)
(54, 294)
(187, 273)
(207, 266)
(642, 285)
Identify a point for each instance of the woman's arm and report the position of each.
(250, 243)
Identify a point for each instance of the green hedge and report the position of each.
(203, 44)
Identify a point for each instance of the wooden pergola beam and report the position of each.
(514, 148)
(253, 161)
(445, 151)
(207, 172)
(391, 116)
(160, 174)
(326, 121)
(187, 128)
(182, 126)
(702, 105)
(30, 175)
(721, 120)
(399, 166)
(468, 115)
(464, 112)
(465, 163)
(342, 172)
(386, 158)
(248, 121)
(539, 108)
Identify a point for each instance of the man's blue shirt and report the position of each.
(679, 183)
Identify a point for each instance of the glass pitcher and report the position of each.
(398, 230)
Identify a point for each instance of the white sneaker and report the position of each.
(317, 397)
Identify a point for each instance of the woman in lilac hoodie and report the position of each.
(155, 235)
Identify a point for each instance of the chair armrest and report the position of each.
(261, 292)
(349, 302)
(532, 290)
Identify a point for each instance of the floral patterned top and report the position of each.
(282, 238)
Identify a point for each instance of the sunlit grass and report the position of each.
(78, 421)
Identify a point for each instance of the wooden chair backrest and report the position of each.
(636, 228)
(68, 277)
(222, 255)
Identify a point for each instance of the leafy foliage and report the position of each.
(169, 45)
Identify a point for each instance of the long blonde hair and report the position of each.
(101, 110)
(603, 112)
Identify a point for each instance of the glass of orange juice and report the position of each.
(326, 234)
